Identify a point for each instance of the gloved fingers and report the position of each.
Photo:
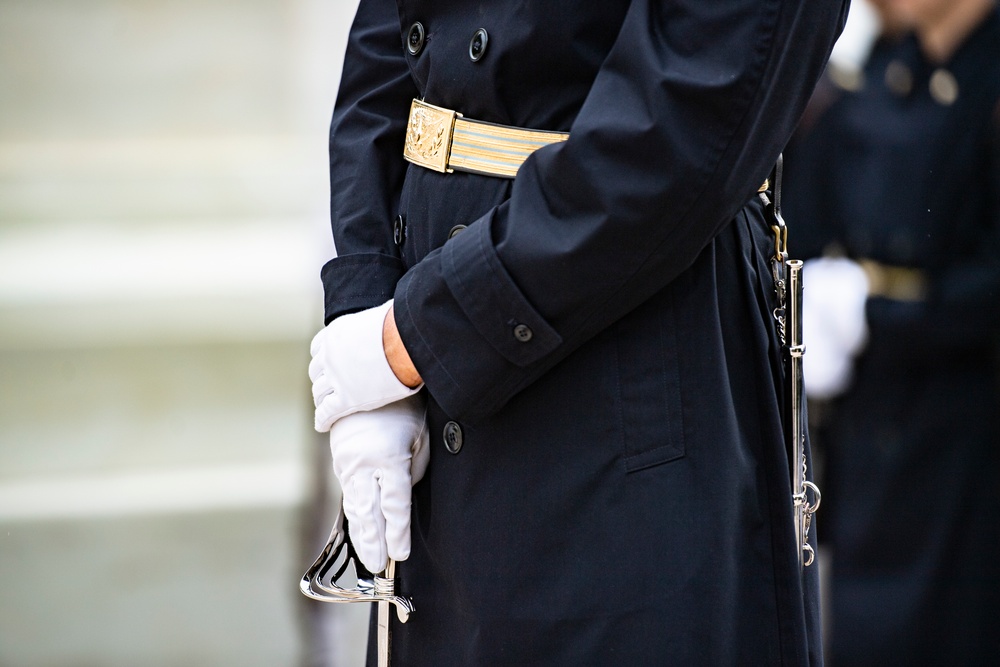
(420, 452)
(329, 410)
(396, 504)
(405, 421)
(317, 343)
(321, 388)
(828, 362)
(316, 368)
(349, 369)
(826, 374)
(348, 504)
(335, 405)
(373, 454)
(367, 524)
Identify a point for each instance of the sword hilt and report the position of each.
(320, 580)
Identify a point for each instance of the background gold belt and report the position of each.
(445, 141)
(894, 282)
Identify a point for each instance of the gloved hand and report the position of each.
(378, 455)
(834, 329)
(349, 370)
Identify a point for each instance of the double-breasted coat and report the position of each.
(905, 171)
(607, 482)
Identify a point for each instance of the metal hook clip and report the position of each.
(809, 555)
(780, 239)
(801, 500)
(778, 226)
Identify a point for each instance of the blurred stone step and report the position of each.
(75, 285)
(203, 589)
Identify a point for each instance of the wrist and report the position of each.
(396, 354)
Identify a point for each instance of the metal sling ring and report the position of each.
(819, 496)
(317, 583)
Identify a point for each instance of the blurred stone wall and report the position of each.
(163, 219)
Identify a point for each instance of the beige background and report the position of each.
(163, 219)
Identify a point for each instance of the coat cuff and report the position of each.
(490, 299)
(468, 328)
(357, 282)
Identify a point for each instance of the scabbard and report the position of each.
(787, 274)
(796, 432)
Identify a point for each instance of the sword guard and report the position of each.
(320, 580)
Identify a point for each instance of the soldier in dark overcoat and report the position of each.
(607, 479)
(901, 173)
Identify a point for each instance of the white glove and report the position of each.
(833, 323)
(349, 370)
(378, 455)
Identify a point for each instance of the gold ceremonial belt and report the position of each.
(894, 282)
(445, 141)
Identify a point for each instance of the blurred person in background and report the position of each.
(895, 177)
(607, 479)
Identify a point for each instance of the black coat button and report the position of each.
(523, 333)
(477, 47)
(453, 437)
(399, 230)
(415, 39)
(455, 231)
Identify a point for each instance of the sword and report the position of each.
(320, 583)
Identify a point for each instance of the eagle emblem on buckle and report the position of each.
(428, 136)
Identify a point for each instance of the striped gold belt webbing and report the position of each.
(445, 141)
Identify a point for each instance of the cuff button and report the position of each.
(523, 333)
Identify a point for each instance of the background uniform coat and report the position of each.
(909, 176)
(607, 483)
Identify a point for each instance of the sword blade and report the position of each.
(384, 630)
(383, 634)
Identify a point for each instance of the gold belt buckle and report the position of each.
(428, 136)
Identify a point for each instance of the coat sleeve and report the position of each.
(366, 162)
(683, 122)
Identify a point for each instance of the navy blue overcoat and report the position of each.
(608, 483)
